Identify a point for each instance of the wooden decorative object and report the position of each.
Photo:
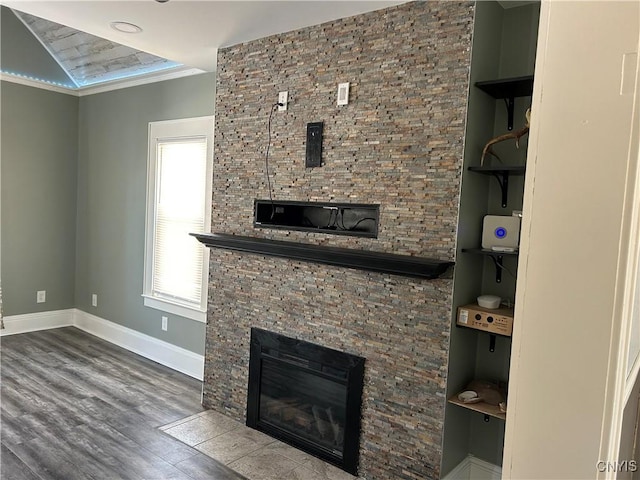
(507, 136)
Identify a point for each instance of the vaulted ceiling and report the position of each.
(88, 59)
(37, 50)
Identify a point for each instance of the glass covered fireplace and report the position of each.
(306, 395)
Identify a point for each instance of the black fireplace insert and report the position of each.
(306, 395)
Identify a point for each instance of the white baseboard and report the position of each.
(32, 322)
(462, 471)
(164, 353)
(472, 468)
(149, 347)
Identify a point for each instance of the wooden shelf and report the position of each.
(499, 169)
(508, 88)
(497, 258)
(406, 265)
(480, 407)
(488, 251)
(501, 172)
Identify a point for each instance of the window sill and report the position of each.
(174, 308)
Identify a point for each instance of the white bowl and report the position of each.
(489, 301)
(468, 396)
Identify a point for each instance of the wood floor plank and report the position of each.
(75, 407)
(164, 414)
(14, 431)
(47, 462)
(134, 426)
(13, 468)
(201, 467)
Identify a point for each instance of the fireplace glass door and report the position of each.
(311, 406)
(306, 395)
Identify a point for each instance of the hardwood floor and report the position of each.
(76, 407)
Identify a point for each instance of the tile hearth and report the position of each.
(249, 452)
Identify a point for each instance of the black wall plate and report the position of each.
(314, 144)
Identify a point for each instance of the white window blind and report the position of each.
(178, 203)
(177, 258)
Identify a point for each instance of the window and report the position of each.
(179, 176)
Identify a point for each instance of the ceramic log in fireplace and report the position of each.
(306, 395)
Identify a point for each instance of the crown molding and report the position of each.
(32, 82)
(105, 87)
(140, 80)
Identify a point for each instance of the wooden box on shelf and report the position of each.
(496, 320)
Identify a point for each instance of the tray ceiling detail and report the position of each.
(91, 60)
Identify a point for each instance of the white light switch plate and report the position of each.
(343, 93)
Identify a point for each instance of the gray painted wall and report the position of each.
(39, 159)
(21, 53)
(112, 166)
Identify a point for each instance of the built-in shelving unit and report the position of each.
(500, 72)
(508, 89)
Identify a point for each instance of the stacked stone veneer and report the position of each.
(399, 143)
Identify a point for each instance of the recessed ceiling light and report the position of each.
(126, 27)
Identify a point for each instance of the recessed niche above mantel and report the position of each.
(353, 219)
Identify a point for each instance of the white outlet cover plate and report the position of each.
(343, 93)
(283, 97)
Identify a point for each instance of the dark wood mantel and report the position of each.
(405, 265)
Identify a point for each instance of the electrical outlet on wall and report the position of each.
(94, 300)
(165, 322)
(41, 296)
(283, 100)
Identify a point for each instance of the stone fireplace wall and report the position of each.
(399, 143)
